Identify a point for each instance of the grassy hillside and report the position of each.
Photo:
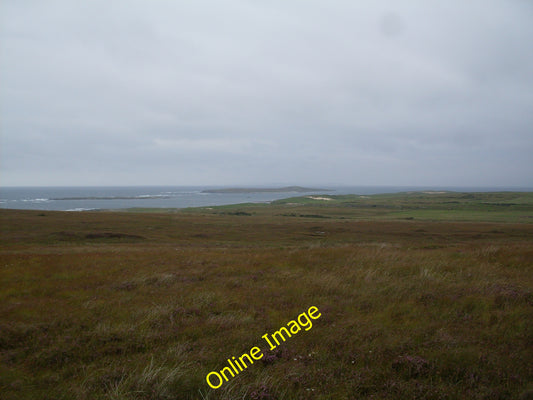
(421, 295)
(434, 206)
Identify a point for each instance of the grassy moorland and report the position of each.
(421, 295)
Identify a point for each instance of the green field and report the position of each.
(421, 295)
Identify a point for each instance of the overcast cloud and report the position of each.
(201, 92)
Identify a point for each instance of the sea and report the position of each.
(121, 197)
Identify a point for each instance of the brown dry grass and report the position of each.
(143, 306)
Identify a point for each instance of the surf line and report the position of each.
(216, 379)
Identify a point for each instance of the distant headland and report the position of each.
(287, 189)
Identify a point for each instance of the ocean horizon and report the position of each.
(92, 198)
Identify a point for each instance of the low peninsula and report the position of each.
(287, 189)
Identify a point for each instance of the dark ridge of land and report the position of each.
(422, 296)
(288, 189)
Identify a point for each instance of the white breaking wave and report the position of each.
(35, 200)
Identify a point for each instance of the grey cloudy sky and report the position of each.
(130, 92)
